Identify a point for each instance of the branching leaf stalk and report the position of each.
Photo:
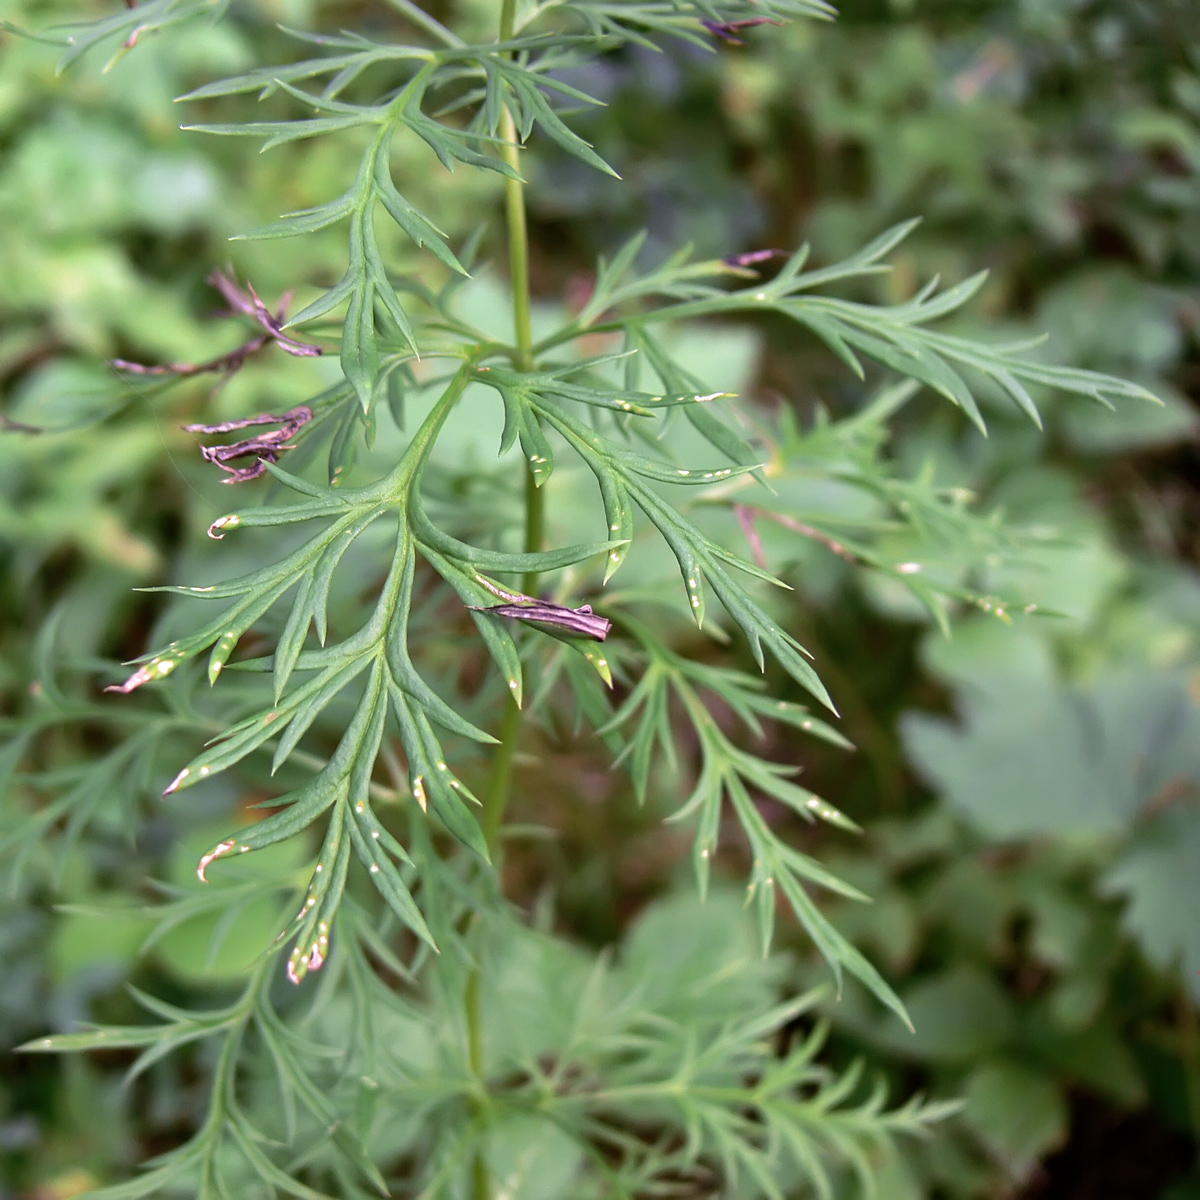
(499, 786)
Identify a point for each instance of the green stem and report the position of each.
(500, 781)
(514, 211)
(535, 528)
(508, 19)
(518, 245)
(495, 799)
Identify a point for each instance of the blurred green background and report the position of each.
(1029, 792)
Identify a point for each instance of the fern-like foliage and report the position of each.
(651, 1091)
(630, 1074)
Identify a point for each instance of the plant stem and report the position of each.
(514, 210)
(518, 245)
(535, 528)
(499, 785)
(499, 782)
(500, 779)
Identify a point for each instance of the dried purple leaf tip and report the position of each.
(249, 304)
(140, 676)
(157, 669)
(215, 852)
(574, 620)
(727, 31)
(176, 783)
(753, 257)
(301, 961)
(265, 447)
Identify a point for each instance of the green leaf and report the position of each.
(1156, 876)
(360, 352)
(1020, 1113)
(1033, 758)
(419, 228)
(496, 637)
(306, 220)
(279, 133)
(366, 834)
(536, 107)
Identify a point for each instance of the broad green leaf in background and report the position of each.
(1032, 758)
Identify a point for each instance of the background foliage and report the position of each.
(1027, 790)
